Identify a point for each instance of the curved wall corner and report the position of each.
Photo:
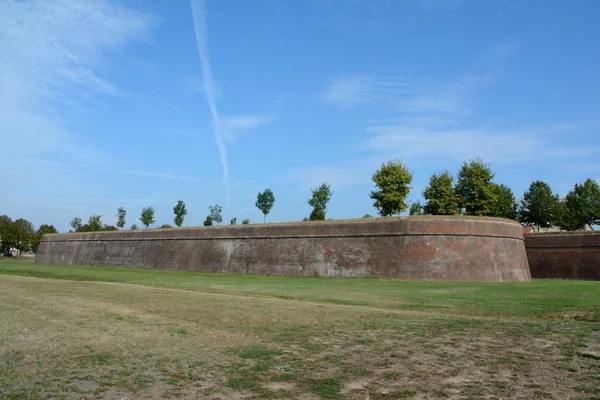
(467, 249)
(564, 255)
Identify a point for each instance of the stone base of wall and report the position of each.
(564, 255)
(418, 248)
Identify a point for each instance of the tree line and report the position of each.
(472, 192)
(20, 234)
(476, 193)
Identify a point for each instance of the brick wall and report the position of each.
(564, 255)
(419, 248)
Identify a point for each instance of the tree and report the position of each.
(475, 188)
(393, 181)
(416, 209)
(108, 228)
(133, 227)
(147, 217)
(180, 213)
(208, 221)
(94, 223)
(539, 206)
(440, 195)
(23, 234)
(580, 207)
(246, 221)
(233, 221)
(75, 223)
(165, 226)
(320, 197)
(367, 216)
(317, 215)
(121, 213)
(215, 213)
(264, 202)
(505, 205)
(42, 230)
(7, 236)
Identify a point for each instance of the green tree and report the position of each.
(121, 213)
(393, 181)
(147, 217)
(415, 209)
(580, 207)
(24, 234)
(165, 226)
(75, 223)
(475, 189)
(42, 230)
(264, 202)
(233, 221)
(539, 206)
(133, 227)
(215, 214)
(367, 216)
(246, 221)
(320, 197)
(108, 228)
(208, 221)
(440, 195)
(7, 236)
(505, 205)
(94, 223)
(180, 212)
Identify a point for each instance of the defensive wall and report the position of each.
(419, 248)
(564, 255)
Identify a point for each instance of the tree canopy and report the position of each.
(440, 195)
(180, 212)
(264, 202)
(147, 217)
(320, 197)
(581, 207)
(505, 205)
(75, 223)
(475, 189)
(215, 213)
(121, 213)
(393, 181)
(539, 206)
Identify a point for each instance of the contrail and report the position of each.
(200, 28)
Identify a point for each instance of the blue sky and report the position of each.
(106, 104)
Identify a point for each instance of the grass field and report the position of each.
(115, 333)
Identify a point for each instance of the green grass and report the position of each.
(98, 332)
(539, 299)
(327, 388)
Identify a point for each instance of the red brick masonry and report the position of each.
(564, 255)
(418, 248)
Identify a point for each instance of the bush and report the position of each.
(246, 221)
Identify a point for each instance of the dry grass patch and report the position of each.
(73, 340)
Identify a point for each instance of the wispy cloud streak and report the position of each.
(210, 90)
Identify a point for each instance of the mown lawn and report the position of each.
(116, 333)
(542, 298)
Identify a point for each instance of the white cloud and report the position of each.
(452, 100)
(52, 65)
(234, 126)
(353, 90)
(51, 59)
(494, 146)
